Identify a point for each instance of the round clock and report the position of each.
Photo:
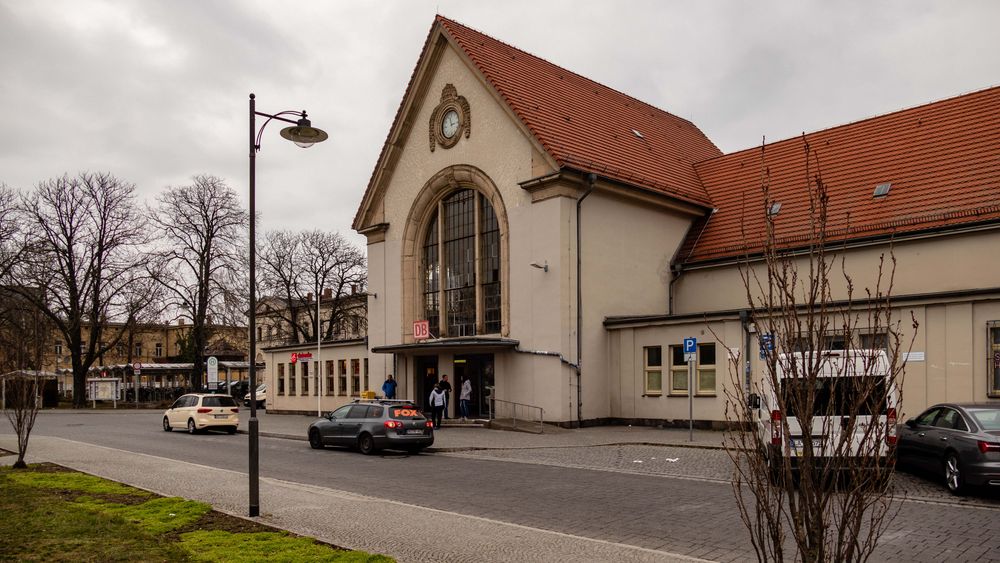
(449, 124)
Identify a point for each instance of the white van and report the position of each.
(857, 381)
(261, 397)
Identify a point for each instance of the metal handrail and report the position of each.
(501, 410)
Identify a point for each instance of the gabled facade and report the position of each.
(553, 232)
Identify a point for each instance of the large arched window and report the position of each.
(461, 259)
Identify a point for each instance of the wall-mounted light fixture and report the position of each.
(543, 267)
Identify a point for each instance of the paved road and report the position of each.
(637, 498)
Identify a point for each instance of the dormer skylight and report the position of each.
(882, 190)
(637, 134)
(774, 209)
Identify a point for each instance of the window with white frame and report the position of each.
(281, 379)
(305, 378)
(59, 348)
(341, 377)
(355, 377)
(994, 358)
(291, 379)
(678, 371)
(705, 372)
(330, 389)
(158, 350)
(652, 370)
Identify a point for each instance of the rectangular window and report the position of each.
(489, 249)
(994, 359)
(291, 379)
(59, 348)
(281, 379)
(138, 350)
(678, 371)
(330, 389)
(159, 350)
(366, 375)
(305, 378)
(355, 377)
(877, 341)
(706, 369)
(342, 377)
(653, 370)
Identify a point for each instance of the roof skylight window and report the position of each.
(637, 134)
(882, 190)
(774, 209)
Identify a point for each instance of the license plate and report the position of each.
(222, 416)
(414, 431)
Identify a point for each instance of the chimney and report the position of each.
(328, 293)
(354, 288)
(180, 322)
(309, 297)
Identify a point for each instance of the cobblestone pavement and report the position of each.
(703, 464)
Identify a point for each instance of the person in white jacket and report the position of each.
(437, 401)
(465, 397)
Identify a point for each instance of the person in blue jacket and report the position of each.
(389, 387)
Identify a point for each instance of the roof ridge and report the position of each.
(855, 122)
(448, 21)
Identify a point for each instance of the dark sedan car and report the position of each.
(374, 425)
(960, 442)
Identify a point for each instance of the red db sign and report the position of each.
(421, 330)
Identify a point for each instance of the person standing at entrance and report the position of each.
(446, 389)
(465, 397)
(437, 401)
(389, 387)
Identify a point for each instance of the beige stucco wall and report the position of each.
(304, 403)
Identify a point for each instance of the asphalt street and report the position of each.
(672, 501)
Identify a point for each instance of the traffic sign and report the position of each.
(766, 344)
(213, 370)
(690, 347)
(137, 368)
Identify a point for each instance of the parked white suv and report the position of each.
(849, 381)
(261, 397)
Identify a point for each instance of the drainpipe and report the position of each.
(745, 325)
(591, 178)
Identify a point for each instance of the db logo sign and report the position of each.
(421, 330)
(294, 358)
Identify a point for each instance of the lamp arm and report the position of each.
(260, 132)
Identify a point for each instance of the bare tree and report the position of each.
(85, 240)
(812, 458)
(11, 239)
(295, 266)
(21, 402)
(201, 227)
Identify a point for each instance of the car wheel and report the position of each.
(166, 425)
(953, 475)
(366, 444)
(314, 440)
(191, 427)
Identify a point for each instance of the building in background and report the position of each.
(555, 240)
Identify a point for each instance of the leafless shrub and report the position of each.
(21, 402)
(812, 449)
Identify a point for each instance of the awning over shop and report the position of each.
(464, 344)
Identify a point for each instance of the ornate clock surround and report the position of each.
(450, 101)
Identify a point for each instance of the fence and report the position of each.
(517, 416)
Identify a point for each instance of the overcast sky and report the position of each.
(156, 91)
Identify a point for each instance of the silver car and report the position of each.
(373, 425)
(959, 441)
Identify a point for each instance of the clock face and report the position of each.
(449, 124)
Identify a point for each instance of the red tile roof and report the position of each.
(942, 159)
(586, 126)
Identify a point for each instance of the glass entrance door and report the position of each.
(478, 368)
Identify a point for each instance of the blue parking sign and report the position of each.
(690, 345)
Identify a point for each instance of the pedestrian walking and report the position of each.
(389, 387)
(446, 389)
(437, 401)
(465, 397)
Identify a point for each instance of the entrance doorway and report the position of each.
(426, 376)
(479, 369)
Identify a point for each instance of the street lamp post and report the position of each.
(303, 134)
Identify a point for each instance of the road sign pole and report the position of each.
(691, 400)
